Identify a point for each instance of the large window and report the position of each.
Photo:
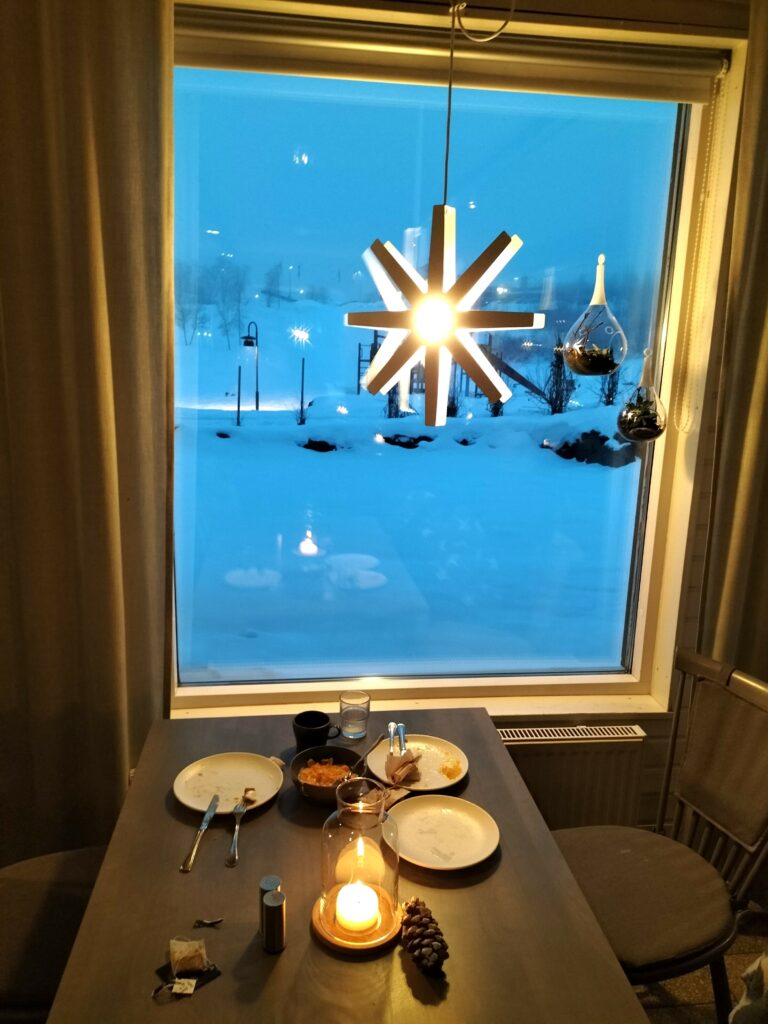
(325, 534)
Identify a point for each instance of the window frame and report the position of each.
(208, 37)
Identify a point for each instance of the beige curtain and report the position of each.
(85, 346)
(735, 596)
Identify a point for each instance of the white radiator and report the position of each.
(580, 774)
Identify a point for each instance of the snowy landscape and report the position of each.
(479, 551)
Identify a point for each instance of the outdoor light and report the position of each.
(251, 340)
(307, 545)
(300, 335)
(358, 906)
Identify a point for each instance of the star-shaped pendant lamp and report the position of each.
(433, 318)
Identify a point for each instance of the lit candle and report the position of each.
(362, 857)
(357, 907)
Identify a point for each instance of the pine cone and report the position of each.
(422, 937)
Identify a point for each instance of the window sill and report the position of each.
(499, 708)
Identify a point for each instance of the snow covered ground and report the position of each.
(492, 555)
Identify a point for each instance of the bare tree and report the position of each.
(189, 311)
(227, 283)
(559, 385)
(609, 387)
(271, 287)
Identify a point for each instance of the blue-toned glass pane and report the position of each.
(359, 542)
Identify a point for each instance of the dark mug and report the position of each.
(312, 729)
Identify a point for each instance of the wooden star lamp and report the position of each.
(433, 318)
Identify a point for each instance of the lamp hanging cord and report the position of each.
(493, 35)
(454, 12)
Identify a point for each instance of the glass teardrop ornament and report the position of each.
(643, 418)
(596, 345)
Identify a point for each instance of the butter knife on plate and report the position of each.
(187, 865)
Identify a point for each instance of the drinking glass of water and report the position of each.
(355, 706)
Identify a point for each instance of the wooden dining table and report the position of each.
(524, 945)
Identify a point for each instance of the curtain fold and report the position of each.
(85, 408)
(735, 592)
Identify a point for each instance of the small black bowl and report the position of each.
(321, 794)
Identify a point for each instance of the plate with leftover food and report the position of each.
(229, 775)
(441, 763)
(443, 832)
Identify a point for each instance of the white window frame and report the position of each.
(207, 37)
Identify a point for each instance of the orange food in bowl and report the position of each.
(324, 773)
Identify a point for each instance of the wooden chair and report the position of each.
(42, 901)
(668, 904)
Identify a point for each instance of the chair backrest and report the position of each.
(722, 784)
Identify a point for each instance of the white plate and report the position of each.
(442, 764)
(228, 775)
(443, 832)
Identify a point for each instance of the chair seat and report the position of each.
(43, 900)
(656, 900)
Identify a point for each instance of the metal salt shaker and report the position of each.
(269, 883)
(273, 927)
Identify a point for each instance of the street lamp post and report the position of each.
(251, 340)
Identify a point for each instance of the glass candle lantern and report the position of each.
(358, 907)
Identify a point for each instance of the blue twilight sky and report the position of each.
(309, 171)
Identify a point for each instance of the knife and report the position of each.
(187, 865)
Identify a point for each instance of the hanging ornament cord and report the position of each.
(455, 11)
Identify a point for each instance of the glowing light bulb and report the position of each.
(434, 320)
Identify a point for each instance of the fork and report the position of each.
(401, 736)
(238, 811)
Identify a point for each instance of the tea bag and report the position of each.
(188, 956)
(188, 968)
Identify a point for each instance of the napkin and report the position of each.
(393, 794)
(402, 768)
